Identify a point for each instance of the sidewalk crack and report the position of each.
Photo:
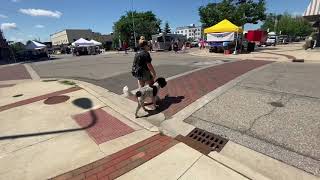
(190, 167)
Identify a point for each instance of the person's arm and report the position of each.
(150, 66)
(153, 72)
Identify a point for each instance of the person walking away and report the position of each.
(201, 44)
(175, 47)
(142, 69)
(125, 46)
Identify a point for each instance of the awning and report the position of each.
(313, 11)
(96, 42)
(82, 42)
(35, 45)
(223, 26)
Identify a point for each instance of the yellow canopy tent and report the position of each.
(223, 26)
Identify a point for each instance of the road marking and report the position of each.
(34, 75)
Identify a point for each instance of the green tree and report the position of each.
(146, 24)
(239, 12)
(17, 47)
(287, 25)
(269, 23)
(167, 28)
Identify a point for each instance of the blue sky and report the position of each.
(30, 19)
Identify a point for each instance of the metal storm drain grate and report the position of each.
(56, 100)
(203, 141)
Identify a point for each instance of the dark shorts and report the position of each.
(146, 76)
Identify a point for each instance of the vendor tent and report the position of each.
(35, 45)
(82, 42)
(312, 13)
(96, 43)
(223, 26)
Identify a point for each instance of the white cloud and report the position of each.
(30, 36)
(3, 16)
(8, 26)
(41, 12)
(15, 0)
(39, 26)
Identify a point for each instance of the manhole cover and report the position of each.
(203, 141)
(18, 95)
(277, 104)
(56, 99)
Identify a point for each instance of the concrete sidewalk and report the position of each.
(280, 53)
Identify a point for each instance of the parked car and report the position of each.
(271, 41)
(195, 44)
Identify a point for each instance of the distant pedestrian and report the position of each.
(176, 47)
(142, 69)
(202, 44)
(125, 47)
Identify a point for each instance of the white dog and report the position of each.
(145, 92)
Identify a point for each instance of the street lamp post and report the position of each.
(134, 32)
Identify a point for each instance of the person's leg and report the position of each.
(150, 83)
(141, 83)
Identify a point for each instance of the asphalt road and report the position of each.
(112, 71)
(249, 114)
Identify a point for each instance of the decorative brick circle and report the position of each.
(56, 99)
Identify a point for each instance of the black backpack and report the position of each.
(137, 69)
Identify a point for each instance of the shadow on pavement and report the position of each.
(84, 103)
(164, 104)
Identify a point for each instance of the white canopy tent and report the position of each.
(82, 42)
(35, 45)
(96, 43)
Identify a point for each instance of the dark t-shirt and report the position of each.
(142, 58)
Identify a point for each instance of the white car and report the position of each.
(271, 41)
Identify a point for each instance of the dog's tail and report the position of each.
(126, 91)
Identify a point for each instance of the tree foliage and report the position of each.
(167, 28)
(145, 24)
(239, 12)
(287, 25)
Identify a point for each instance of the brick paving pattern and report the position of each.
(15, 72)
(105, 128)
(38, 98)
(197, 84)
(119, 163)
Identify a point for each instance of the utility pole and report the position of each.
(134, 32)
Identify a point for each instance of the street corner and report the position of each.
(67, 124)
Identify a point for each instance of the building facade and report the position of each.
(68, 36)
(192, 31)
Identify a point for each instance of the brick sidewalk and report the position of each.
(119, 163)
(15, 72)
